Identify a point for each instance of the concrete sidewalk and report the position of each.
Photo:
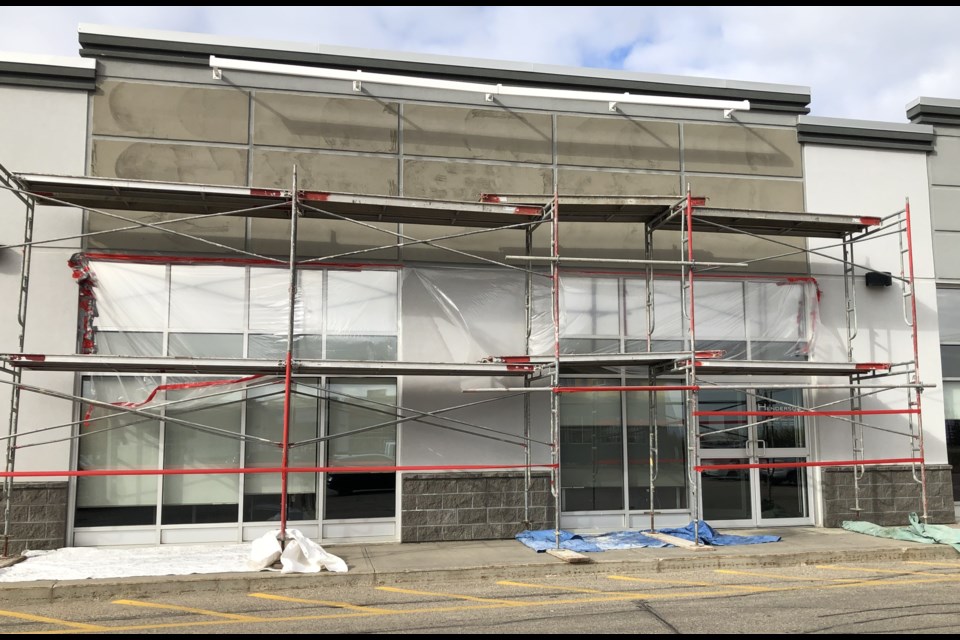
(395, 563)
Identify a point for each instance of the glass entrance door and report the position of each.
(753, 497)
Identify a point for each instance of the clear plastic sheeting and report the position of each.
(448, 314)
(141, 306)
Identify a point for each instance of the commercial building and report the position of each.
(493, 264)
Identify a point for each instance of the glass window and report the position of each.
(270, 300)
(192, 499)
(360, 302)
(121, 441)
(264, 419)
(136, 295)
(948, 312)
(591, 448)
(670, 481)
(591, 306)
(951, 407)
(720, 431)
(206, 298)
(355, 409)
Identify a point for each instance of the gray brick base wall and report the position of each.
(472, 506)
(888, 495)
(38, 516)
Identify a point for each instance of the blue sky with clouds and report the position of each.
(859, 62)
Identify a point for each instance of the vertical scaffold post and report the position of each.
(687, 301)
(856, 398)
(654, 457)
(555, 377)
(916, 428)
(14, 419)
(291, 318)
(528, 313)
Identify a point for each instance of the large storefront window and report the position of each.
(948, 308)
(771, 319)
(227, 311)
(605, 449)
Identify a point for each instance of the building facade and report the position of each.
(409, 416)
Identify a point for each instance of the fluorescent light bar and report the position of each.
(489, 90)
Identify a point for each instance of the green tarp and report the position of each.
(916, 531)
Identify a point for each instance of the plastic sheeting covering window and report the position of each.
(152, 308)
(773, 319)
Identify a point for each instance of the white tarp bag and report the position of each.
(300, 555)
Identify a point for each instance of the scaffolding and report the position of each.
(689, 370)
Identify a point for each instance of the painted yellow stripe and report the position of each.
(757, 574)
(326, 603)
(454, 596)
(202, 612)
(686, 583)
(65, 623)
(944, 578)
(950, 565)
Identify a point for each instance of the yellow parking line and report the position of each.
(454, 596)
(65, 623)
(951, 565)
(203, 612)
(686, 583)
(778, 576)
(326, 603)
(943, 578)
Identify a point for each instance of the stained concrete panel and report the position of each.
(322, 238)
(326, 172)
(203, 164)
(945, 162)
(945, 254)
(171, 112)
(735, 148)
(614, 183)
(945, 208)
(318, 122)
(619, 142)
(482, 134)
(746, 193)
(223, 230)
(468, 180)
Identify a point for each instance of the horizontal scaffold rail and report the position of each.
(794, 465)
(214, 366)
(259, 470)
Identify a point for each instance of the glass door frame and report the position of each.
(754, 451)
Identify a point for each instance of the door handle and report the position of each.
(757, 446)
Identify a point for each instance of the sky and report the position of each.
(864, 63)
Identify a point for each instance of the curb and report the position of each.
(153, 586)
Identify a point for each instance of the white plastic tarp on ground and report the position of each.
(301, 555)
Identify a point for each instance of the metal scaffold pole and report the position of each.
(14, 420)
(687, 297)
(291, 319)
(528, 316)
(916, 427)
(555, 374)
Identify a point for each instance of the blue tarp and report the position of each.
(586, 543)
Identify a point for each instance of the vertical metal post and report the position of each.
(686, 271)
(17, 372)
(555, 378)
(654, 457)
(528, 309)
(918, 391)
(291, 317)
(648, 279)
(856, 401)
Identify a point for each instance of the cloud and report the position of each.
(863, 63)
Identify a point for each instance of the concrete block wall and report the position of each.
(888, 495)
(38, 516)
(472, 506)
